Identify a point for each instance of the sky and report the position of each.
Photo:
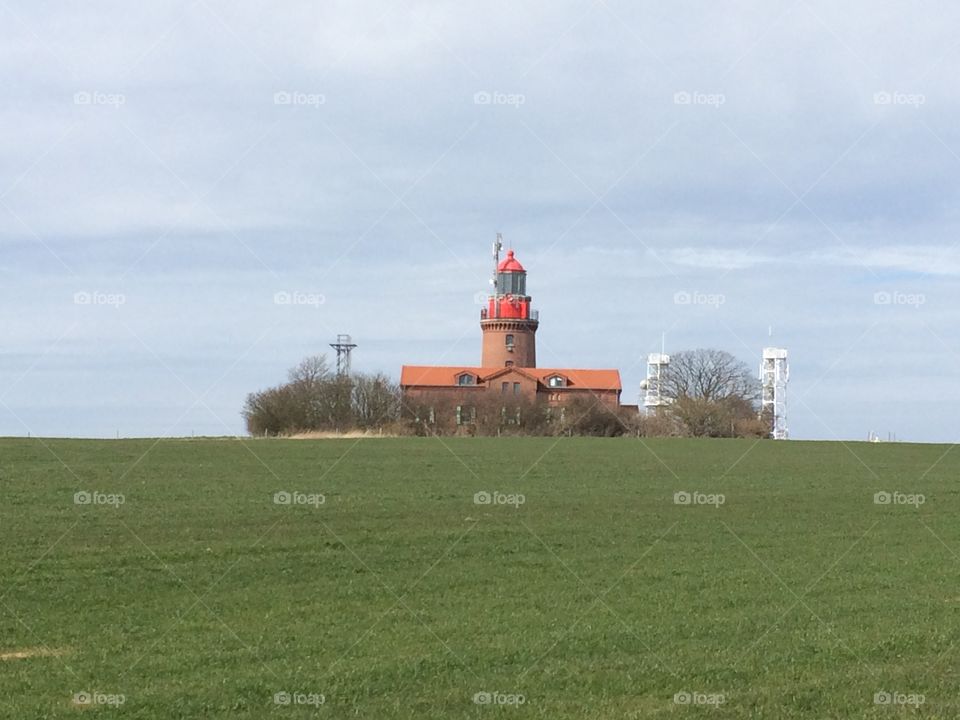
(195, 195)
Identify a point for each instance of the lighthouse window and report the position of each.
(512, 283)
(509, 341)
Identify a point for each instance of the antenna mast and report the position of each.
(497, 247)
(344, 346)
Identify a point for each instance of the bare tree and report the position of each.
(713, 393)
(711, 375)
(376, 400)
(315, 398)
(311, 369)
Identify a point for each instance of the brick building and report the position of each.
(508, 370)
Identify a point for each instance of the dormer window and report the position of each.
(466, 379)
(556, 381)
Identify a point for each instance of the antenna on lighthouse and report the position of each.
(497, 247)
(344, 346)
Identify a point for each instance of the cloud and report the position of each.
(199, 196)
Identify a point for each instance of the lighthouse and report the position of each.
(507, 383)
(509, 325)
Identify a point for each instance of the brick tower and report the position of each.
(509, 325)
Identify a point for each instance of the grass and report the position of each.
(399, 597)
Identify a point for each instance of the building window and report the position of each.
(516, 388)
(466, 379)
(509, 418)
(504, 387)
(466, 414)
(555, 381)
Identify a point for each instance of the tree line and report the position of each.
(314, 398)
(710, 394)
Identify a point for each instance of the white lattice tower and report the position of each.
(653, 386)
(774, 375)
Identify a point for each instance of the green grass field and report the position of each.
(400, 597)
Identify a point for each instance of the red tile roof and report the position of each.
(433, 375)
(440, 376)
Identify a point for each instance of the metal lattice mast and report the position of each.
(344, 346)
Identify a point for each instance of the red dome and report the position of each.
(511, 264)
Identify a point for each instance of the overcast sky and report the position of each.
(734, 174)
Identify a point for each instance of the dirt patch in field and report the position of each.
(33, 652)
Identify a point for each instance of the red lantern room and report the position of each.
(510, 298)
(508, 323)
